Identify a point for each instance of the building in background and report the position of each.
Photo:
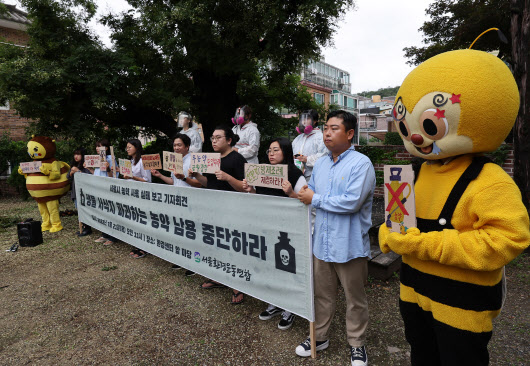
(13, 25)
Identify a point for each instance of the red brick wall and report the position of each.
(403, 154)
(9, 120)
(13, 35)
(6, 190)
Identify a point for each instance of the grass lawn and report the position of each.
(71, 301)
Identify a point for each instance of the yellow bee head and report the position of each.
(455, 103)
(41, 147)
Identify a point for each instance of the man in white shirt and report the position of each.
(249, 136)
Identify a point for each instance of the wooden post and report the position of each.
(313, 340)
(113, 162)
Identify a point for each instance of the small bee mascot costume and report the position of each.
(471, 219)
(50, 184)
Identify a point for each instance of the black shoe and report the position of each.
(189, 273)
(176, 266)
(87, 230)
(287, 321)
(270, 312)
(304, 349)
(359, 356)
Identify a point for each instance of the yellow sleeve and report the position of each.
(500, 232)
(55, 171)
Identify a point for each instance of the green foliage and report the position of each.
(381, 156)
(499, 156)
(393, 138)
(206, 56)
(455, 24)
(384, 92)
(363, 141)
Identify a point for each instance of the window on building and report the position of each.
(319, 67)
(334, 99)
(319, 98)
(4, 107)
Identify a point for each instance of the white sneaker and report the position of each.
(304, 349)
(358, 356)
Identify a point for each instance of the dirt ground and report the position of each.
(71, 301)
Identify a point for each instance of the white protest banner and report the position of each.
(172, 162)
(151, 161)
(205, 162)
(31, 167)
(125, 167)
(400, 205)
(266, 175)
(92, 161)
(257, 244)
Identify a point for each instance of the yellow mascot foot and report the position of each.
(45, 227)
(55, 229)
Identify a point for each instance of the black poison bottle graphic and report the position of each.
(285, 254)
(82, 197)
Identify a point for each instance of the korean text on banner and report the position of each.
(31, 167)
(151, 161)
(400, 204)
(205, 162)
(266, 175)
(265, 256)
(173, 162)
(92, 161)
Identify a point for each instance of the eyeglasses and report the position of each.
(273, 151)
(215, 138)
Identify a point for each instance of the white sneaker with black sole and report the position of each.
(358, 356)
(189, 273)
(304, 349)
(287, 320)
(270, 313)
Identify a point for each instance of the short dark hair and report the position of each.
(229, 134)
(348, 120)
(287, 150)
(185, 139)
(313, 114)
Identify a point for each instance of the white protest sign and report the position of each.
(125, 167)
(172, 162)
(102, 152)
(266, 175)
(92, 161)
(151, 161)
(205, 162)
(400, 205)
(267, 256)
(31, 167)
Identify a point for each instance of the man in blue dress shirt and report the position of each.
(341, 189)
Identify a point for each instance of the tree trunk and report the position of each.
(520, 30)
(215, 100)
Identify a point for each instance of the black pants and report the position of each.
(107, 236)
(434, 343)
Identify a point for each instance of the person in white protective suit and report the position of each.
(249, 136)
(309, 146)
(185, 121)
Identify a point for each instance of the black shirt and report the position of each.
(293, 174)
(233, 164)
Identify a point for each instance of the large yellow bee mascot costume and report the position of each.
(50, 184)
(471, 220)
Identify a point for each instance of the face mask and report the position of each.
(239, 117)
(181, 119)
(305, 124)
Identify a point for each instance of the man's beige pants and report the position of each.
(352, 276)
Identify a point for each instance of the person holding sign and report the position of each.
(308, 146)
(134, 150)
(181, 145)
(341, 189)
(77, 167)
(280, 152)
(185, 121)
(249, 137)
(105, 170)
(228, 178)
